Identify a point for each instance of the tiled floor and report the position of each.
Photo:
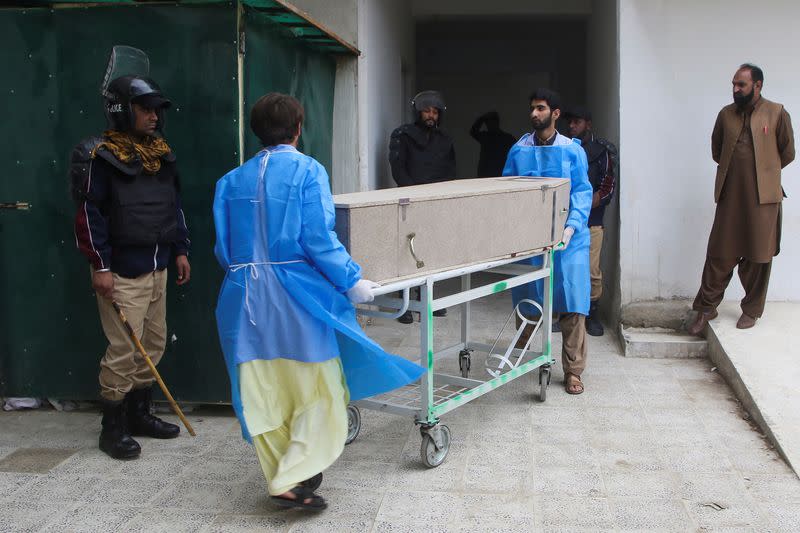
(653, 445)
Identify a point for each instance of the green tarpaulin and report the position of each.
(54, 60)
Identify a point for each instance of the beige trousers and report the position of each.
(143, 300)
(574, 348)
(596, 246)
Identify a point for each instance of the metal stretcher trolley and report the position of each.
(439, 392)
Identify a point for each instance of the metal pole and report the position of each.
(426, 351)
(466, 310)
(547, 304)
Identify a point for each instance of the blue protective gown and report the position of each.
(283, 293)
(571, 279)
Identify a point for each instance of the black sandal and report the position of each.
(315, 503)
(313, 482)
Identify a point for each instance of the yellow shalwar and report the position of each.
(297, 417)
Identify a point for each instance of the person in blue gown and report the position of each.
(285, 316)
(547, 153)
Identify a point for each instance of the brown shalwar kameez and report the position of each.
(745, 232)
(742, 226)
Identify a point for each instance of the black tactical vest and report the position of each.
(143, 207)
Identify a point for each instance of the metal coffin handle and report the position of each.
(410, 238)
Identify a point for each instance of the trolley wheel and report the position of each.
(353, 423)
(431, 455)
(544, 381)
(464, 362)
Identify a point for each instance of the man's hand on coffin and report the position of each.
(361, 292)
(569, 231)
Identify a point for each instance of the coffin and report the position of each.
(413, 231)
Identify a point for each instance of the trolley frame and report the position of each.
(436, 394)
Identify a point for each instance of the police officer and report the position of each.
(423, 152)
(129, 225)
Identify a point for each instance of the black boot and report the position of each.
(142, 422)
(115, 439)
(593, 325)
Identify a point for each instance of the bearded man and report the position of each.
(751, 142)
(546, 153)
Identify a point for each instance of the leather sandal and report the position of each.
(304, 499)
(573, 386)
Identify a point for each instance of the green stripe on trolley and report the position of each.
(490, 385)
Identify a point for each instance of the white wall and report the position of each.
(370, 90)
(386, 40)
(345, 157)
(341, 17)
(677, 59)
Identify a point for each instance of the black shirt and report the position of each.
(421, 155)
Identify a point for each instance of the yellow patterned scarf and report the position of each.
(127, 148)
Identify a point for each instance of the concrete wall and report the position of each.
(341, 17)
(603, 100)
(480, 64)
(446, 8)
(345, 171)
(677, 59)
(386, 38)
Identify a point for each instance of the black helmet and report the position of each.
(427, 99)
(127, 90)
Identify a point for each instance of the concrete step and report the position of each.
(661, 343)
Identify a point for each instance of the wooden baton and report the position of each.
(153, 370)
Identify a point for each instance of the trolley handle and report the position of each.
(397, 286)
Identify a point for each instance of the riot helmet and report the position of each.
(426, 99)
(127, 90)
(127, 82)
